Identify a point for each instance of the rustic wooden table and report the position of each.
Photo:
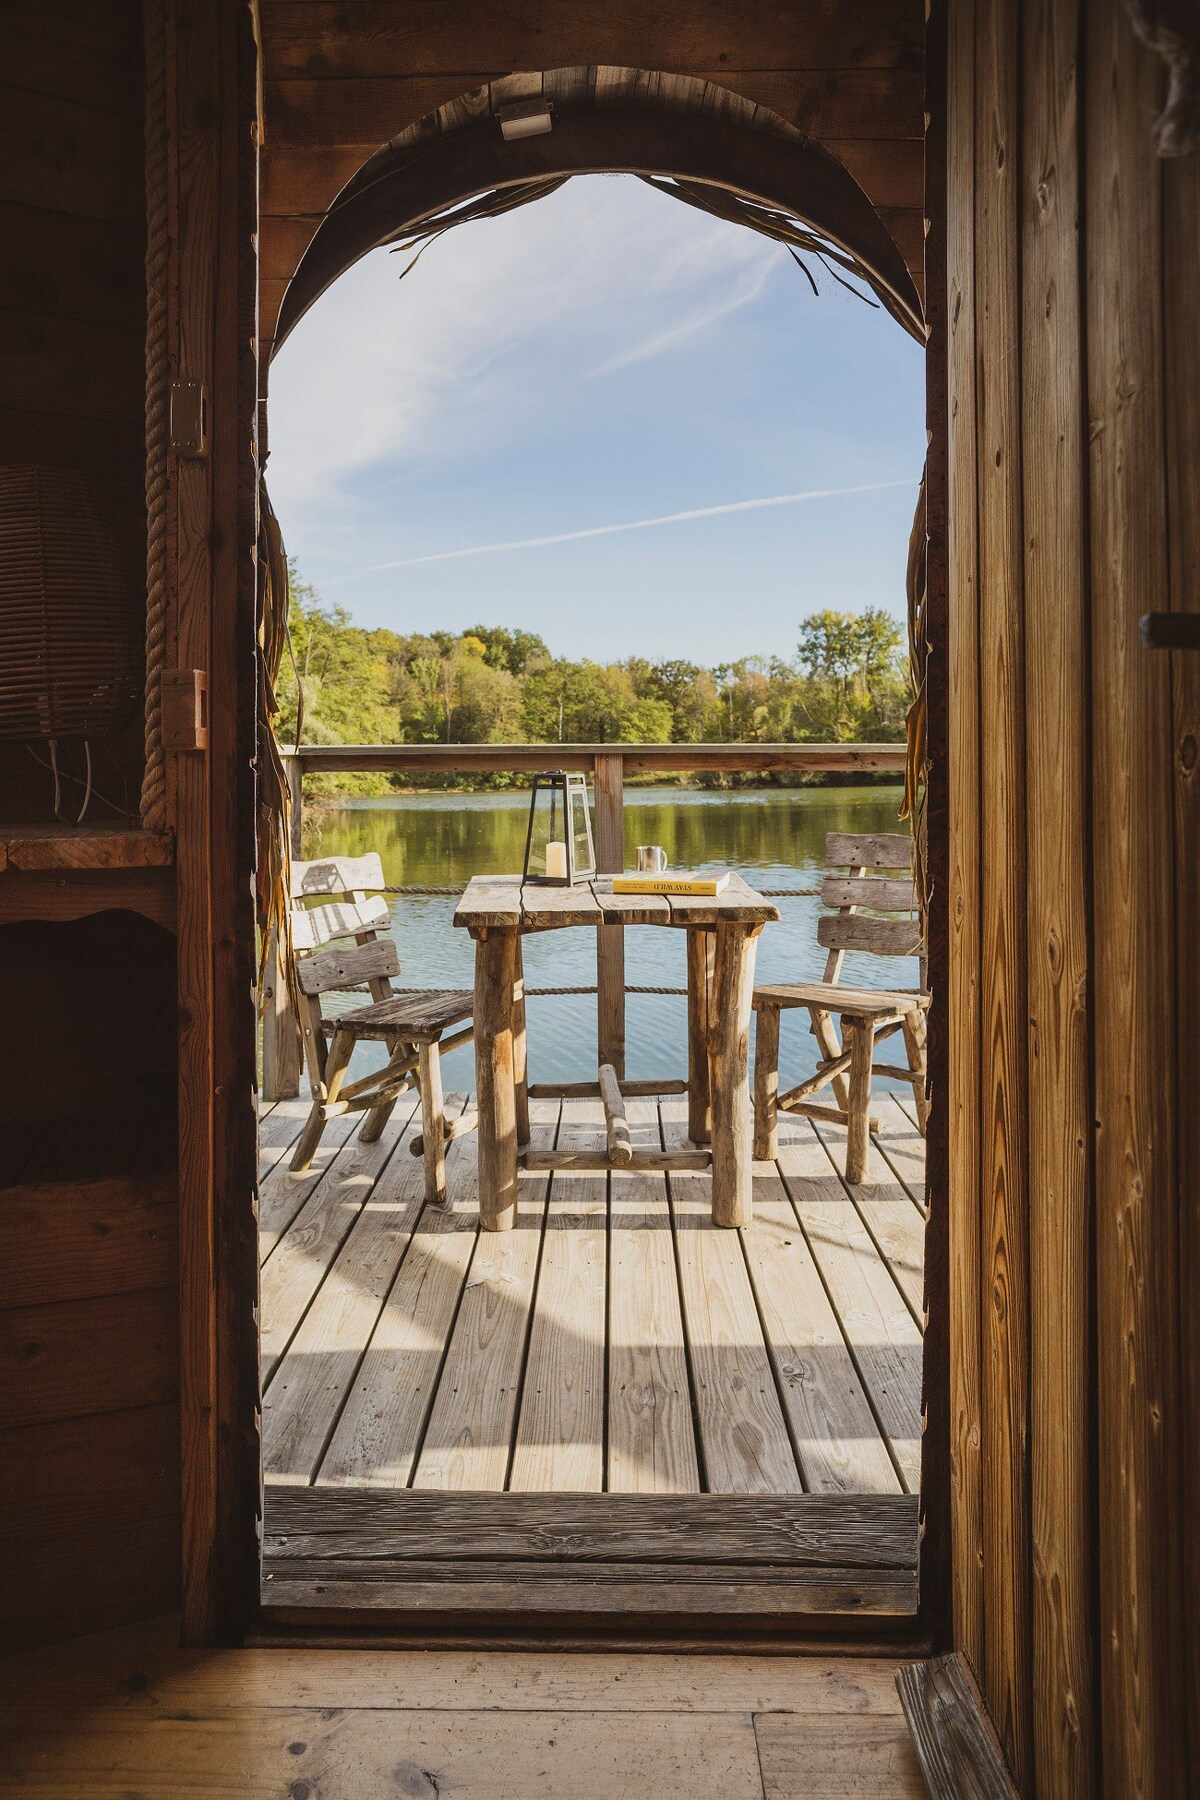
(721, 932)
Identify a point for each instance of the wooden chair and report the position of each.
(411, 1023)
(867, 1017)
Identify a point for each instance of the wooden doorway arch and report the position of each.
(658, 126)
(604, 121)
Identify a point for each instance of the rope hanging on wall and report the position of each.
(158, 378)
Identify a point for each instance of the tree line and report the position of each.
(847, 682)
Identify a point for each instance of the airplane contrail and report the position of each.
(594, 531)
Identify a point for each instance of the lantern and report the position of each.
(558, 845)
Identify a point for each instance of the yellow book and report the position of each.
(671, 884)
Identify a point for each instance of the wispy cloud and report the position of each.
(596, 531)
(384, 374)
(747, 287)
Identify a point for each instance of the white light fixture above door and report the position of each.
(525, 118)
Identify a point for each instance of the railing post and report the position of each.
(294, 770)
(281, 1031)
(610, 939)
(281, 1028)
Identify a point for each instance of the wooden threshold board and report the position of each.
(408, 1551)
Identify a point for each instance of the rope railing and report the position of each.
(542, 992)
(766, 893)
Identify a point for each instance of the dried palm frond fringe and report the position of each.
(1171, 28)
(273, 873)
(768, 221)
(915, 766)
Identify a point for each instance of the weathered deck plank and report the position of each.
(651, 1441)
(292, 1275)
(744, 1437)
(560, 1434)
(902, 1144)
(404, 1348)
(886, 1208)
(470, 1430)
(836, 1438)
(378, 1436)
(311, 1384)
(873, 1315)
(282, 1194)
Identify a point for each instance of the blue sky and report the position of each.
(604, 356)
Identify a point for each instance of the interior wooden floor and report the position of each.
(615, 1341)
(129, 1713)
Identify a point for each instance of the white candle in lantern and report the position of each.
(556, 860)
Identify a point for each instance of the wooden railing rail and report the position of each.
(608, 765)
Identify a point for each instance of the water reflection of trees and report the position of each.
(439, 841)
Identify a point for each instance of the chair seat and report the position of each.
(418, 1014)
(870, 1003)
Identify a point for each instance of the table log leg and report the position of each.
(861, 1036)
(701, 947)
(729, 1039)
(433, 1123)
(520, 1051)
(495, 974)
(766, 1084)
(914, 1044)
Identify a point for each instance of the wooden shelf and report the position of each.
(83, 848)
(62, 872)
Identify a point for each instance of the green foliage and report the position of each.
(590, 703)
(516, 651)
(489, 684)
(852, 662)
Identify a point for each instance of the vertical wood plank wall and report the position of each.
(194, 109)
(212, 296)
(1074, 449)
(965, 1107)
(1181, 351)
(89, 1437)
(1056, 649)
(1134, 902)
(1003, 1176)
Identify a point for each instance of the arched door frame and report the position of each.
(395, 190)
(412, 181)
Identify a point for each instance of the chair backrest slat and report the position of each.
(317, 925)
(349, 968)
(855, 931)
(854, 854)
(337, 875)
(876, 850)
(879, 893)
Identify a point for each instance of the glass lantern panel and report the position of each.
(581, 832)
(547, 827)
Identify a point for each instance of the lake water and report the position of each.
(775, 837)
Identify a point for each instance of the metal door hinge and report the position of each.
(189, 418)
(1170, 631)
(185, 709)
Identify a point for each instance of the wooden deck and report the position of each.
(615, 1341)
